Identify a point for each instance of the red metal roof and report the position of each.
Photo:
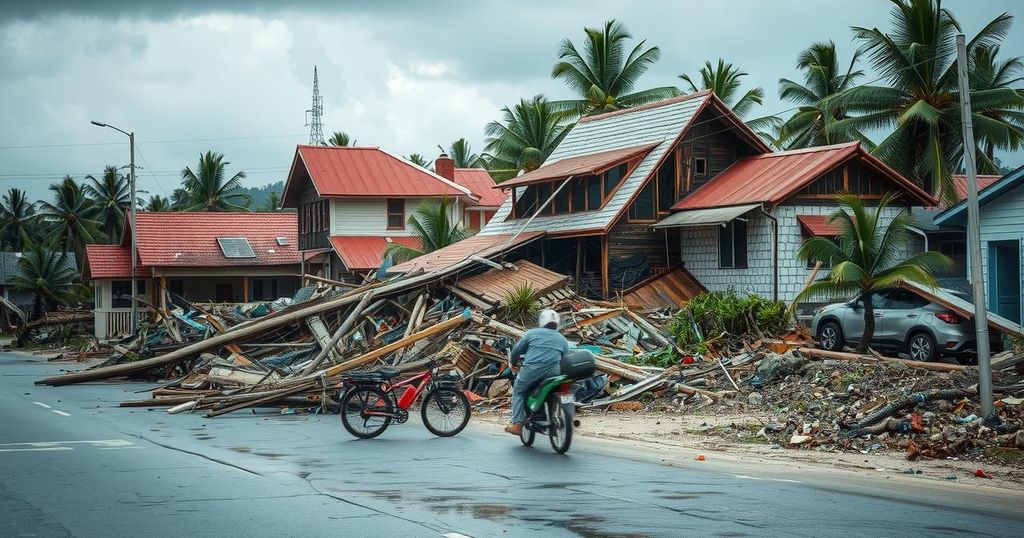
(773, 177)
(108, 261)
(480, 182)
(189, 239)
(363, 252)
(480, 245)
(818, 225)
(366, 171)
(583, 165)
(960, 184)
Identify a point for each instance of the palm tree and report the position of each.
(724, 80)
(157, 204)
(47, 275)
(602, 75)
(339, 139)
(434, 225)
(418, 160)
(921, 99)
(16, 212)
(272, 203)
(180, 199)
(72, 217)
(461, 152)
(867, 257)
(813, 123)
(531, 130)
(207, 190)
(111, 194)
(989, 73)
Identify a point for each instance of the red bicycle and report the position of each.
(369, 404)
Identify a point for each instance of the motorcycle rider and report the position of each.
(540, 351)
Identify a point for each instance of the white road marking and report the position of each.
(455, 535)
(46, 446)
(40, 449)
(41, 404)
(785, 480)
(746, 477)
(61, 413)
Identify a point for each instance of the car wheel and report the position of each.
(922, 347)
(830, 336)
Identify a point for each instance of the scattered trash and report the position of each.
(980, 473)
(700, 457)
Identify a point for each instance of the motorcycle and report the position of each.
(551, 406)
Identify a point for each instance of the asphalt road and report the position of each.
(74, 464)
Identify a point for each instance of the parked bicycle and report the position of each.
(369, 405)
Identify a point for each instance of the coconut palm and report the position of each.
(989, 73)
(179, 199)
(418, 160)
(813, 123)
(47, 275)
(272, 203)
(724, 80)
(72, 217)
(461, 152)
(434, 225)
(157, 204)
(208, 191)
(16, 213)
(523, 140)
(867, 256)
(111, 194)
(602, 75)
(339, 139)
(920, 101)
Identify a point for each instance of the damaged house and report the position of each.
(354, 201)
(664, 200)
(203, 257)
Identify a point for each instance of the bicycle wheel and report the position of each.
(560, 418)
(445, 411)
(355, 407)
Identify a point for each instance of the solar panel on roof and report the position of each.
(282, 241)
(236, 247)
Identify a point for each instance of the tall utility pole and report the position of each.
(131, 224)
(314, 116)
(974, 236)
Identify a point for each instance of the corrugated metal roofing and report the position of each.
(818, 225)
(108, 261)
(629, 129)
(363, 252)
(960, 184)
(670, 289)
(495, 284)
(189, 239)
(480, 182)
(366, 171)
(582, 165)
(773, 177)
(704, 217)
(957, 215)
(480, 245)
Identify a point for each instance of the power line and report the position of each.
(173, 141)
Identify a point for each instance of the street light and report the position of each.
(135, 286)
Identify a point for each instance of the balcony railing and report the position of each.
(314, 240)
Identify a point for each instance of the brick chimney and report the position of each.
(444, 166)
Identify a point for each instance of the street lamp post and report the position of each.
(131, 224)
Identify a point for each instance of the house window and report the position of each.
(579, 196)
(700, 166)
(613, 176)
(732, 245)
(956, 249)
(264, 289)
(396, 214)
(543, 193)
(593, 192)
(177, 287)
(121, 293)
(642, 209)
(562, 200)
(667, 191)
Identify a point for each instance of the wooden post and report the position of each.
(245, 288)
(604, 267)
(163, 293)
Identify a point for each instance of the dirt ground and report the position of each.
(689, 434)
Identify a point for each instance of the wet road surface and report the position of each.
(74, 464)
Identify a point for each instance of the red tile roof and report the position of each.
(481, 184)
(960, 184)
(360, 253)
(480, 245)
(189, 239)
(583, 165)
(774, 177)
(108, 261)
(366, 171)
(818, 225)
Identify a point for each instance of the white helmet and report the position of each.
(546, 317)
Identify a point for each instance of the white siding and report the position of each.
(355, 216)
(1002, 219)
(700, 253)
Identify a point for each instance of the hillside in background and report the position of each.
(259, 194)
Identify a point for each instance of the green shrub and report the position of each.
(716, 312)
(521, 304)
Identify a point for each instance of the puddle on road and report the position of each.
(242, 449)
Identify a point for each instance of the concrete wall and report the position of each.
(700, 253)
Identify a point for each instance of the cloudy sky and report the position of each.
(191, 76)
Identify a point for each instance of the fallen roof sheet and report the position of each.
(495, 284)
(363, 252)
(667, 290)
(479, 245)
(704, 217)
(580, 165)
(963, 307)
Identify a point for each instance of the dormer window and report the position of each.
(700, 166)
